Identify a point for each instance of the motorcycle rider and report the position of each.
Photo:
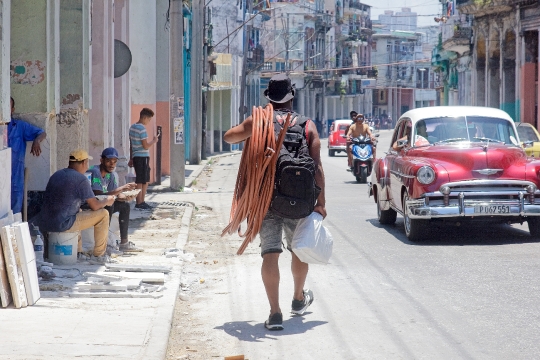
(355, 130)
(352, 114)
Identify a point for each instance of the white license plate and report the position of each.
(492, 209)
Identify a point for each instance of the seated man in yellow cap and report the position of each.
(66, 190)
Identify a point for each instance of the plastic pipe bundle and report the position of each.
(255, 180)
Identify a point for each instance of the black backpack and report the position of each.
(295, 191)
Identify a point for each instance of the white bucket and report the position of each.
(63, 248)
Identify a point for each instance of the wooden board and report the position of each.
(158, 278)
(5, 289)
(125, 294)
(138, 268)
(27, 262)
(15, 275)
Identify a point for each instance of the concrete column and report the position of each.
(350, 105)
(53, 56)
(34, 49)
(75, 52)
(162, 82)
(101, 115)
(5, 108)
(122, 92)
(517, 77)
(487, 77)
(502, 92)
(195, 121)
(301, 101)
(538, 92)
(142, 42)
(220, 127)
(210, 122)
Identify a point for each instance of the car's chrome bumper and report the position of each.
(418, 209)
(337, 147)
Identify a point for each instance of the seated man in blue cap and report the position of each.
(104, 182)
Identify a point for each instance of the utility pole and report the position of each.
(246, 30)
(176, 98)
(206, 19)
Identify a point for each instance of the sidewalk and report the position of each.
(60, 326)
(191, 173)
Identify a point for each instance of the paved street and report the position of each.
(467, 293)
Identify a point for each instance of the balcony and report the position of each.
(323, 23)
(255, 58)
(457, 39)
(356, 5)
(483, 8)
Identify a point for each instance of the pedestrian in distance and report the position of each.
(280, 93)
(104, 182)
(66, 190)
(19, 132)
(140, 155)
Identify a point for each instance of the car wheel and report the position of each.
(386, 217)
(534, 226)
(331, 153)
(363, 174)
(415, 229)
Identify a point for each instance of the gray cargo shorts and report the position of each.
(271, 233)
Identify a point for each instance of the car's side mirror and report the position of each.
(402, 143)
(527, 144)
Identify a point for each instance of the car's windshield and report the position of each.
(466, 128)
(526, 133)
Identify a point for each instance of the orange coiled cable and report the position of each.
(255, 179)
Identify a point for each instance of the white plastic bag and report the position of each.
(312, 242)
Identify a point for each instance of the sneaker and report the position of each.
(113, 252)
(143, 206)
(274, 322)
(129, 247)
(99, 260)
(349, 169)
(299, 307)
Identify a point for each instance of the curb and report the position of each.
(158, 337)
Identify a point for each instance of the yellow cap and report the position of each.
(79, 155)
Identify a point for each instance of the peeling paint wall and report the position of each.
(29, 55)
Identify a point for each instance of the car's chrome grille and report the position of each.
(484, 191)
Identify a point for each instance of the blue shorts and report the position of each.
(271, 233)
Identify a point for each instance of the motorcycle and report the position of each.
(362, 152)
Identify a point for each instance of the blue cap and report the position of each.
(110, 153)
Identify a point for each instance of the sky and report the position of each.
(426, 9)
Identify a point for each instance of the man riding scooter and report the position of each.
(359, 128)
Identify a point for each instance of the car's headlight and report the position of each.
(425, 175)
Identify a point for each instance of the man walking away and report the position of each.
(280, 93)
(140, 155)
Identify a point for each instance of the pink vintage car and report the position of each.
(456, 164)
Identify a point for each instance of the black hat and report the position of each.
(280, 89)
